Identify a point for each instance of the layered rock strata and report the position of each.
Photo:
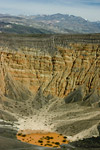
(44, 78)
(58, 65)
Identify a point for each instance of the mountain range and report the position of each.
(56, 23)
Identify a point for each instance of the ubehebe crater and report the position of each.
(51, 83)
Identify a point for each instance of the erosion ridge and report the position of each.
(51, 82)
(63, 65)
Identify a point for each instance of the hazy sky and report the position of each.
(88, 9)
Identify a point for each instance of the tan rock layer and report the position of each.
(72, 65)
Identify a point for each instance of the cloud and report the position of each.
(91, 2)
(79, 2)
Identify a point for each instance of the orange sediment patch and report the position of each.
(40, 138)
